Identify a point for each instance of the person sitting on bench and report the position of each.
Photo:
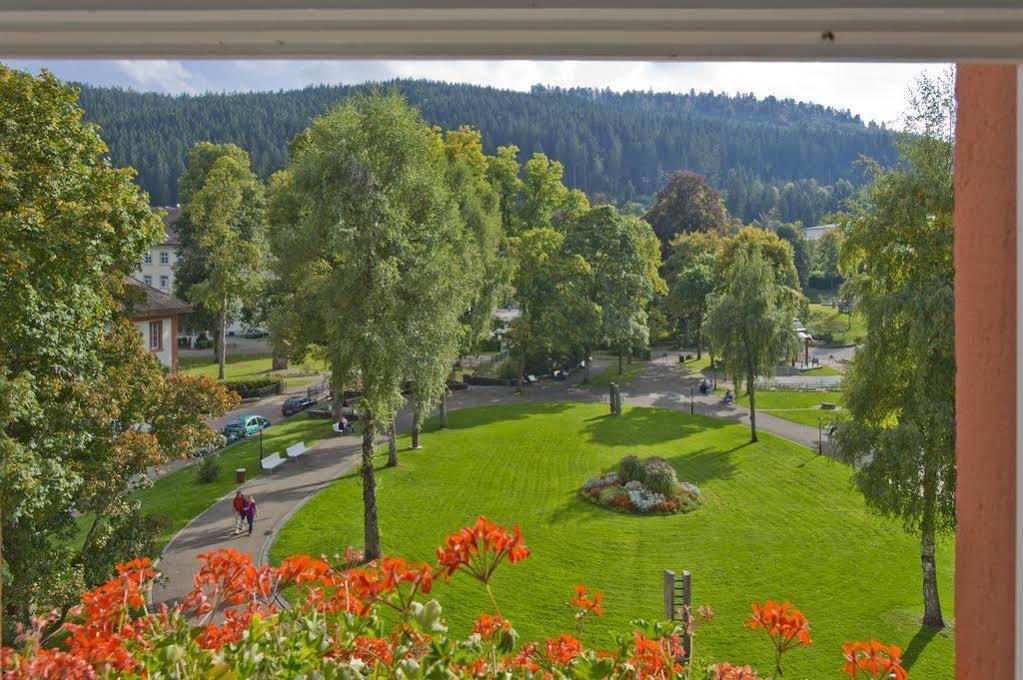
(344, 426)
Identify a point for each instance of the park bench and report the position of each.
(296, 450)
(530, 379)
(271, 461)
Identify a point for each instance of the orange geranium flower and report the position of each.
(587, 605)
(656, 658)
(873, 659)
(785, 626)
(487, 624)
(479, 549)
(726, 671)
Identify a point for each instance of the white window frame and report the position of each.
(156, 326)
(164, 257)
(147, 258)
(147, 279)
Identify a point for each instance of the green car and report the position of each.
(244, 426)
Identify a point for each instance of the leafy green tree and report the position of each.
(826, 258)
(686, 203)
(900, 387)
(233, 261)
(375, 255)
(690, 282)
(222, 228)
(793, 235)
(552, 287)
(623, 255)
(503, 173)
(75, 379)
(750, 321)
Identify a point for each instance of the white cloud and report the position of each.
(161, 74)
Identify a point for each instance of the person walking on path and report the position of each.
(250, 511)
(239, 512)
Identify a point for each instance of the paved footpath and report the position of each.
(282, 492)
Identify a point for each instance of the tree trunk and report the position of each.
(337, 393)
(586, 365)
(280, 360)
(369, 492)
(699, 341)
(443, 408)
(752, 408)
(415, 430)
(222, 342)
(392, 444)
(522, 368)
(619, 363)
(932, 603)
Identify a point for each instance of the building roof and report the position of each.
(814, 233)
(151, 303)
(170, 237)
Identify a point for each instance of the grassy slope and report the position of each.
(243, 366)
(778, 521)
(611, 374)
(800, 407)
(824, 318)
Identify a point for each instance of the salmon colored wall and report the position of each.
(985, 317)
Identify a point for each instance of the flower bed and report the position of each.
(643, 487)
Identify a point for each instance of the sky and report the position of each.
(876, 92)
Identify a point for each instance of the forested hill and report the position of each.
(762, 153)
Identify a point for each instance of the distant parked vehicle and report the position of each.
(244, 426)
(293, 405)
(254, 333)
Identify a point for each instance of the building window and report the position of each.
(147, 258)
(156, 335)
(164, 257)
(163, 281)
(147, 279)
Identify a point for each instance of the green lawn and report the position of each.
(799, 407)
(179, 497)
(698, 365)
(243, 366)
(823, 369)
(778, 521)
(611, 374)
(824, 318)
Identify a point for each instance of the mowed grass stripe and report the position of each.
(778, 522)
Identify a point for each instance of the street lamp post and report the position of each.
(820, 435)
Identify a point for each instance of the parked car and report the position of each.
(254, 333)
(293, 405)
(244, 426)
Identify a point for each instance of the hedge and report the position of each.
(255, 387)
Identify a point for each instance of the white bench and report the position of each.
(296, 450)
(271, 461)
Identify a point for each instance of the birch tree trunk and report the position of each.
(932, 602)
(415, 430)
(222, 343)
(752, 407)
(392, 444)
(369, 492)
(443, 408)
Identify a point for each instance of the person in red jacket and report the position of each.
(239, 512)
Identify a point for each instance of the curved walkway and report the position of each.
(280, 493)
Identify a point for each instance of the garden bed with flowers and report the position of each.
(644, 487)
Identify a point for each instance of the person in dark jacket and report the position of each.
(250, 511)
(239, 512)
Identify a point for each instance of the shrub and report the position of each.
(645, 500)
(631, 468)
(255, 387)
(207, 470)
(608, 494)
(663, 481)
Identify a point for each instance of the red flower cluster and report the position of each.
(585, 604)
(488, 624)
(479, 549)
(726, 671)
(657, 658)
(873, 659)
(784, 624)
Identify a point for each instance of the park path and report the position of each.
(282, 492)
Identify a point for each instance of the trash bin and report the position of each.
(239, 475)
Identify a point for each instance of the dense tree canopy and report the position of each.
(76, 384)
(686, 203)
(760, 153)
(376, 254)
